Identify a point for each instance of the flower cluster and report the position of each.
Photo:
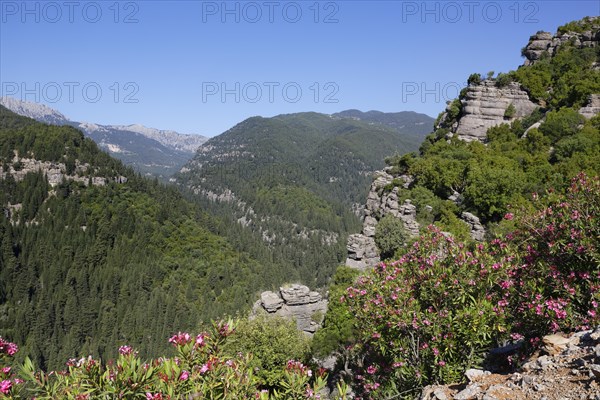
(416, 314)
(8, 381)
(180, 339)
(8, 348)
(199, 370)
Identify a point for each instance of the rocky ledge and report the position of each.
(545, 43)
(569, 368)
(485, 105)
(298, 302)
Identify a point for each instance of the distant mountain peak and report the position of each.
(151, 150)
(39, 112)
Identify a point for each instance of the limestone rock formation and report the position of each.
(477, 229)
(545, 43)
(592, 108)
(55, 172)
(485, 105)
(362, 251)
(294, 301)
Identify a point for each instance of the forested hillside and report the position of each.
(292, 182)
(94, 256)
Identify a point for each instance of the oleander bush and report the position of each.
(436, 311)
(200, 369)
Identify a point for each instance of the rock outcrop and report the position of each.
(475, 226)
(55, 172)
(485, 105)
(570, 369)
(592, 108)
(362, 251)
(297, 302)
(545, 43)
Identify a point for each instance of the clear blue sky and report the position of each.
(203, 66)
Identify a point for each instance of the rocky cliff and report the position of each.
(383, 199)
(298, 302)
(362, 251)
(482, 105)
(486, 105)
(55, 172)
(584, 33)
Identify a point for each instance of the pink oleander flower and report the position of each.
(5, 386)
(180, 339)
(125, 350)
(8, 347)
(6, 370)
(184, 375)
(157, 396)
(509, 216)
(204, 369)
(371, 369)
(200, 342)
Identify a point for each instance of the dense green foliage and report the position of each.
(84, 268)
(339, 325)
(390, 236)
(294, 180)
(272, 341)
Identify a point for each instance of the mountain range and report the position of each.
(150, 151)
(287, 189)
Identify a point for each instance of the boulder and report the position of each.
(296, 302)
(592, 107)
(270, 301)
(477, 229)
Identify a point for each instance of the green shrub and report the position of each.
(562, 123)
(390, 236)
(474, 79)
(271, 342)
(510, 111)
(338, 329)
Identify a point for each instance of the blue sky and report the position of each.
(203, 66)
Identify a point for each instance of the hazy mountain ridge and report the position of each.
(149, 150)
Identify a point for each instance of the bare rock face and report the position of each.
(477, 229)
(545, 43)
(271, 301)
(485, 106)
(592, 108)
(55, 172)
(297, 302)
(362, 251)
